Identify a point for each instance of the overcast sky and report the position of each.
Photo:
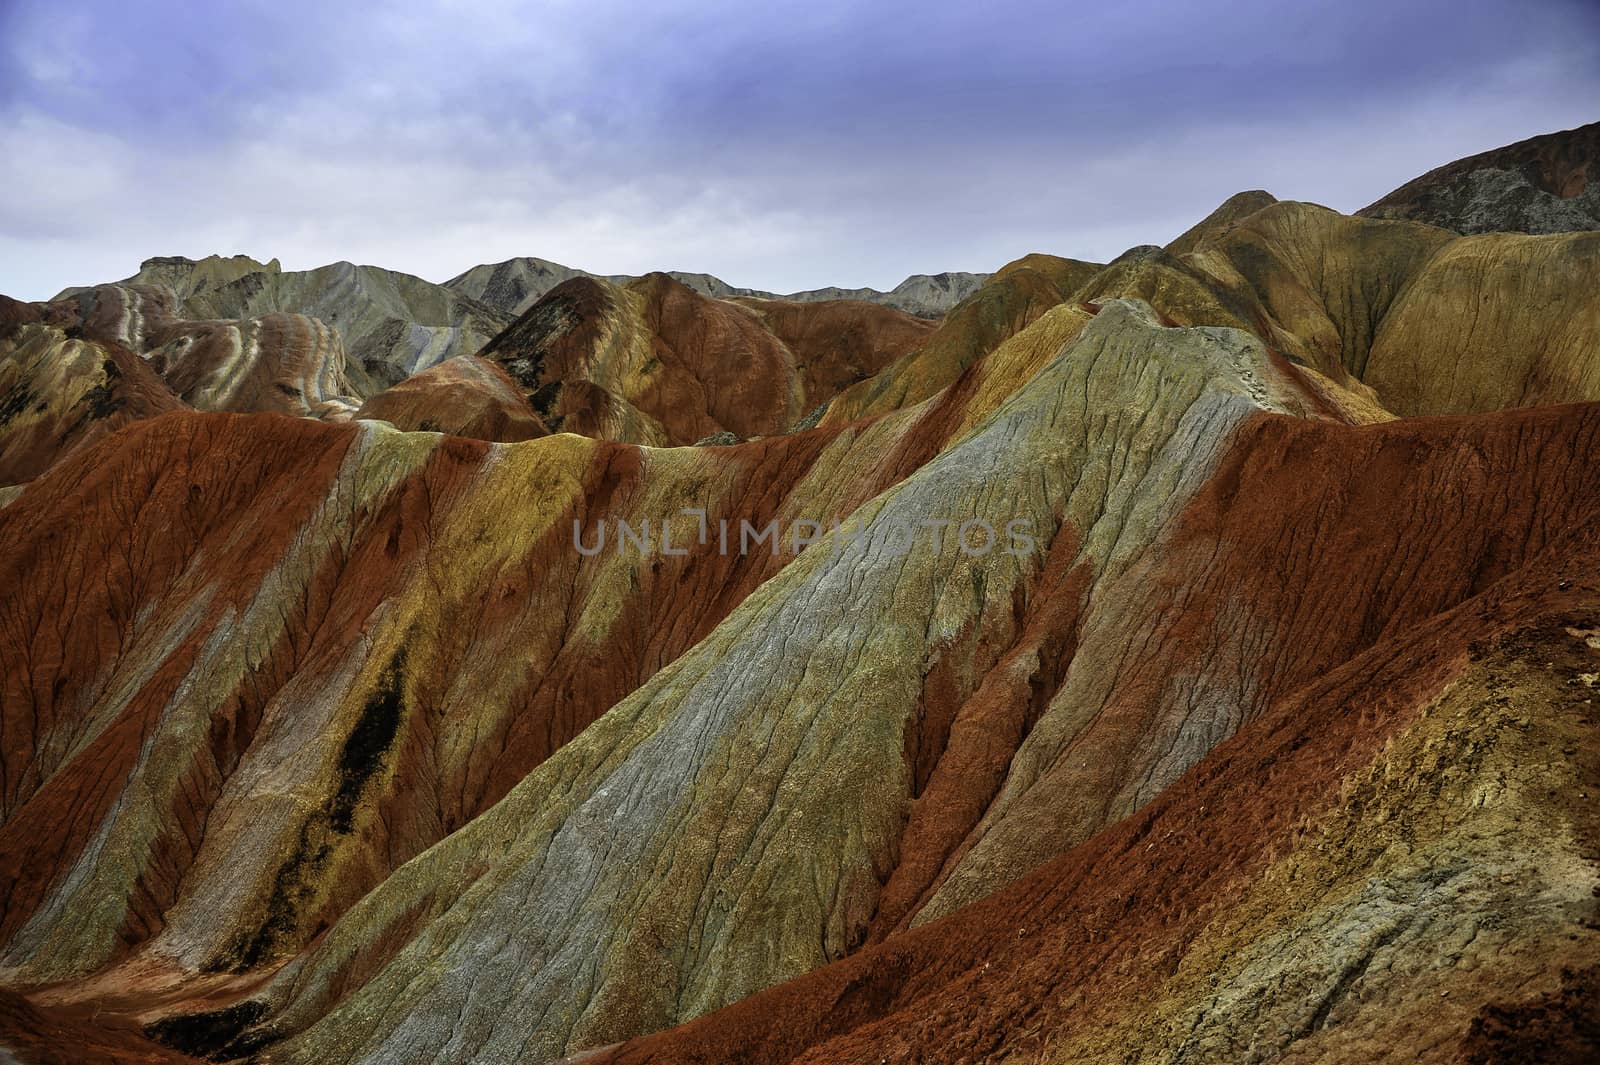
(777, 145)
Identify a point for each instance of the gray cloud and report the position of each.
(779, 146)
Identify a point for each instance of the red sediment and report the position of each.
(134, 512)
(960, 773)
(463, 396)
(839, 342)
(77, 1036)
(37, 425)
(1474, 527)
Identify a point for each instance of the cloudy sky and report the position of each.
(779, 145)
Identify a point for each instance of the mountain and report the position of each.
(1545, 184)
(88, 363)
(1407, 319)
(283, 363)
(189, 277)
(782, 816)
(59, 389)
(1412, 900)
(1005, 304)
(837, 342)
(924, 295)
(392, 324)
(517, 284)
(654, 362)
(1188, 657)
(1234, 209)
(463, 396)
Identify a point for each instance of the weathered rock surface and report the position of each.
(463, 396)
(333, 528)
(1500, 320)
(517, 284)
(1406, 318)
(987, 708)
(278, 363)
(1545, 184)
(1171, 688)
(655, 362)
(59, 391)
(899, 720)
(101, 357)
(1397, 861)
(392, 324)
(1007, 302)
(836, 343)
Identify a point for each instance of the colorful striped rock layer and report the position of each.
(1193, 658)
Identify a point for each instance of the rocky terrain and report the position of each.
(517, 284)
(1192, 657)
(655, 362)
(464, 396)
(1545, 184)
(392, 324)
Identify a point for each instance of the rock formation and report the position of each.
(1406, 318)
(1419, 887)
(655, 362)
(1007, 302)
(100, 357)
(1129, 666)
(283, 363)
(59, 389)
(189, 277)
(1545, 184)
(837, 342)
(392, 324)
(517, 284)
(463, 396)
(923, 295)
(1239, 206)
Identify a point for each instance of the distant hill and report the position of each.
(517, 284)
(393, 324)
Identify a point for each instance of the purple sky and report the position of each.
(778, 145)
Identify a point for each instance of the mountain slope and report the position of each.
(59, 391)
(188, 277)
(1007, 302)
(913, 720)
(463, 396)
(697, 888)
(517, 284)
(655, 362)
(126, 351)
(1239, 206)
(1545, 184)
(1396, 861)
(1130, 666)
(277, 363)
(392, 324)
(676, 769)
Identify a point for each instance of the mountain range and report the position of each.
(1192, 657)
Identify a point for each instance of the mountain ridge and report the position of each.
(1194, 655)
